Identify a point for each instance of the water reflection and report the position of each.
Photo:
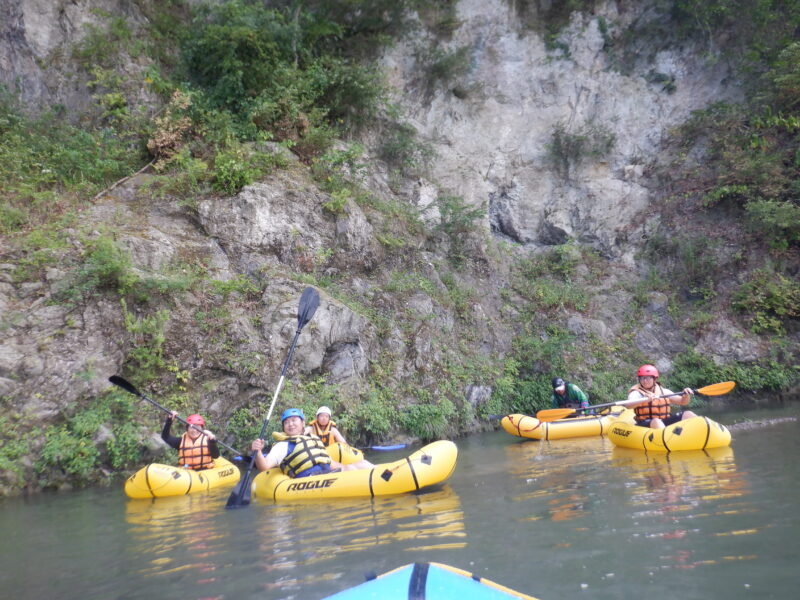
(298, 545)
(180, 534)
(681, 495)
(305, 538)
(543, 518)
(679, 481)
(549, 469)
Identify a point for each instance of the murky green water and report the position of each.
(551, 519)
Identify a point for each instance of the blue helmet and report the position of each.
(292, 412)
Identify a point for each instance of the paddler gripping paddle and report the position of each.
(309, 301)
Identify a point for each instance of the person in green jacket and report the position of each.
(568, 395)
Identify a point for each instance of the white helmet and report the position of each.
(324, 410)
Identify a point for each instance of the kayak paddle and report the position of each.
(553, 414)
(129, 387)
(309, 301)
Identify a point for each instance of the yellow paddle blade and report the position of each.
(554, 414)
(716, 389)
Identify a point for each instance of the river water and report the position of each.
(551, 519)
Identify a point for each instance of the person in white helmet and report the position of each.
(324, 428)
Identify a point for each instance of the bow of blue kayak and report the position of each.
(428, 581)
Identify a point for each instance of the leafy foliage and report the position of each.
(278, 68)
(375, 416)
(71, 452)
(752, 152)
(46, 164)
(697, 370)
(401, 149)
(429, 420)
(760, 29)
(14, 446)
(458, 220)
(783, 80)
(569, 149)
(776, 221)
(104, 265)
(694, 263)
(544, 281)
(444, 67)
(232, 171)
(148, 337)
(769, 299)
(244, 426)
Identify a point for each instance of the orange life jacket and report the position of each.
(655, 409)
(323, 433)
(194, 454)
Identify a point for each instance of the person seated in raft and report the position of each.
(568, 395)
(654, 412)
(324, 428)
(197, 448)
(298, 454)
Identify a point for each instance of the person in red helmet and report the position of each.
(197, 448)
(653, 411)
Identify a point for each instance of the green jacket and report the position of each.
(574, 396)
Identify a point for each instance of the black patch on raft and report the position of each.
(426, 460)
(386, 475)
(678, 430)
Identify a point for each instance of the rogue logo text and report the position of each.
(310, 485)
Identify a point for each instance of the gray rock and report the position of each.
(344, 362)
(658, 340)
(726, 342)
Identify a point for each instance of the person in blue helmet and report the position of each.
(298, 454)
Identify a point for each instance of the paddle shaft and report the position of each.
(128, 387)
(309, 302)
(239, 495)
(715, 389)
(635, 400)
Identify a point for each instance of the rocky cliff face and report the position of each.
(495, 131)
(36, 41)
(494, 139)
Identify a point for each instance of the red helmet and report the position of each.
(196, 420)
(647, 370)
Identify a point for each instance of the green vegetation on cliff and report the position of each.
(241, 83)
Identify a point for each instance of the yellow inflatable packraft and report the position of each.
(342, 453)
(585, 426)
(427, 466)
(157, 480)
(696, 433)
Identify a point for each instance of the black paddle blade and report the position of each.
(124, 384)
(309, 302)
(240, 496)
